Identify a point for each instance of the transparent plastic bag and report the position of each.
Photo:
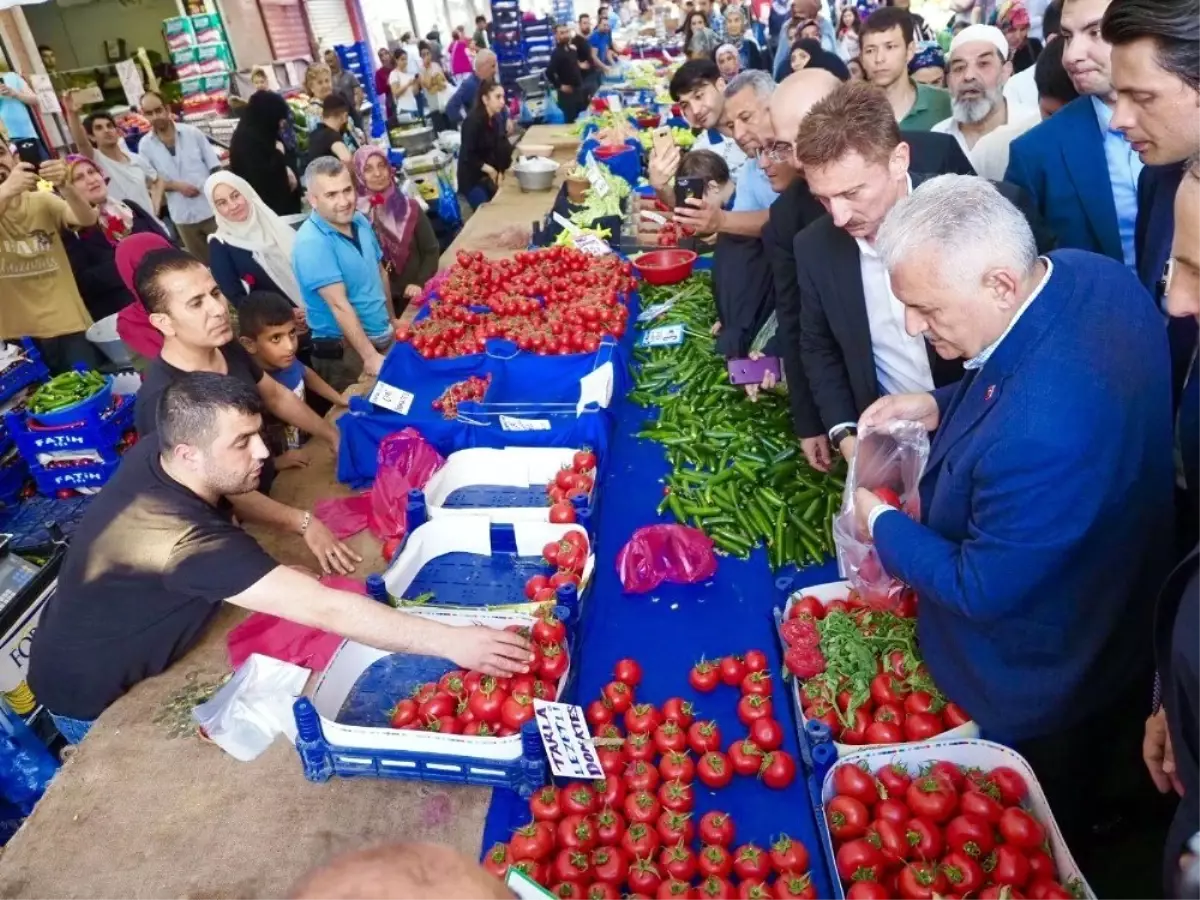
(889, 461)
(406, 462)
(254, 706)
(659, 553)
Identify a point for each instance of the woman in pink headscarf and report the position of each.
(1013, 19)
(133, 322)
(410, 247)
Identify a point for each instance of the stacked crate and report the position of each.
(508, 44)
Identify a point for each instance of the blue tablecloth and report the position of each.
(668, 630)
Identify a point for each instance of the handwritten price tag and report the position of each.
(396, 399)
(663, 336)
(567, 740)
(512, 423)
(595, 177)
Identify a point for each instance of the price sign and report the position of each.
(131, 81)
(567, 740)
(591, 245)
(651, 216)
(390, 397)
(513, 423)
(650, 313)
(663, 336)
(595, 177)
(614, 102)
(46, 95)
(565, 224)
(524, 887)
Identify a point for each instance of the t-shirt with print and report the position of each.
(148, 567)
(724, 147)
(283, 436)
(38, 287)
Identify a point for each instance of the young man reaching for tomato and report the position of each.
(157, 553)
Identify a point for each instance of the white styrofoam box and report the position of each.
(519, 467)
(333, 686)
(964, 753)
(840, 590)
(472, 534)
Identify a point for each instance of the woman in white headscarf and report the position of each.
(251, 249)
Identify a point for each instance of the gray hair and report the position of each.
(323, 165)
(973, 226)
(762, 83)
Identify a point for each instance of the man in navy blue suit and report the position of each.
(1042, 503)
(1082, 174)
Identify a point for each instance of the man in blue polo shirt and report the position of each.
(339, 267)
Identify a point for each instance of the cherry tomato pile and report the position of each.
(944, 832)
(632, 833)
(890, 700)
(671, 234)
(574, 481)
(473, 388)
(553, 301)
(481, 705)
(568, 558)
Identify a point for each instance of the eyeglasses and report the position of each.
(777, 151)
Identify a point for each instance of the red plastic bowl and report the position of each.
(650, 121)
(608, 151)
(665, 266)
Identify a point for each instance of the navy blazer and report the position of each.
(233, 267)
(1046, 509)
(1061, 164)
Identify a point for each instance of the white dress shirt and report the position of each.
(989, 156)
(1021, 89)
(901, 360)
(1013, 113)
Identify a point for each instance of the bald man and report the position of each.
(485, 66)
(401, 872)
(796, 209)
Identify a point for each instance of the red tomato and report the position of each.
(677, 861)
(963, 874)
(954, 716)
(714, 859)
(550, 554)
(717, 828)
(714, 769)
(578, 799)
(628, 671)
(403, 713)
(754, 889)
(639, 746)
(848, 818)
(867, 890)
(733, 670)
(884, 733)
(891, 840)
(1041, 866)
(496, 860)
(755, 661)
(920, 702)
(892, 811)
(534, 841)
(679, 711)
(932, 798)
(1047, 889)
(641, 806)
(971, 835)
(545, 805)
(572, 865)
(977, 803)
(788, 855)
(619, 696)
(673, 887)
(516, 711)
(752, 707)
(642, 717)
(612, 761)
(1009, 866)
(1019, 828)
(922, 726)
(807, 605)
(674, 827)
(1011, 785)
(554, 662)
(925, 838)
(602, 890)
(704, 677)
(562, 513)
(888, 496)
(610, 825)
(704, 736)
(950, 773)
(535, 584)
(790, 886)
(583, 461)
(886, 688)
(895, 779)
(751, 862)
(856, 733)
(536, 871)
(610, 865)
(669, 737)
(757, 683)
(853, 781)
(644, 877)
(766, 733)
(641, 775)
(676, 796)
(745, 757)
(487, 701)
(921, 881)
(576, 833)
(640, 841)
(858, 860)
(715, 888)
(599, 712)
(677, 766)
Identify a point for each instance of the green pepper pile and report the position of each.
(736, 470)
(64, 390)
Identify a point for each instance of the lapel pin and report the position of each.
(990, 392)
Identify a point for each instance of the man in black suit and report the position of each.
(565, 75)
(853, 341)
(795, 210)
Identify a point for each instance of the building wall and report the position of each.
(77, 33)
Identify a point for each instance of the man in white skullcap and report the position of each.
(978, 68)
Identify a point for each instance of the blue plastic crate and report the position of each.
(23, 373)
(499, 5)
(97, 431)
(14, 475)
(70, 478)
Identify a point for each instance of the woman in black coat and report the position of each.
(92, 251)
(258, 155)
(485, 152)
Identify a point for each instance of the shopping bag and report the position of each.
(657, 553)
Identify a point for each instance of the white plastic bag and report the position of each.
(243, 717)
(890, 459)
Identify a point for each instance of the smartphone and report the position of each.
(751, 371)
(28, 153)
(688, 186)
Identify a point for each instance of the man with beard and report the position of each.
(978, 72)
(1082, 174)
(158, 553)
(566, 75)
(795, 210)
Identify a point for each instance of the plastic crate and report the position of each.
(22, 373)
(364, 745)
(14, 474)
(97, 431)
(469, 561)
(71, 478)
(965, 753)
(818, 750)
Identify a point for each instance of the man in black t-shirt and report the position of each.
(157, 552)
(329, 138)
(187, 306)
(589, 62)
(564, 73)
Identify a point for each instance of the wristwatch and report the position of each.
(842, 432)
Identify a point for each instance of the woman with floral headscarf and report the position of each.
(928, 65)
(92, 250)
(410, 247)
(1013, 19)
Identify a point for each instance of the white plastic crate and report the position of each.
(964, 753)
(514, 467)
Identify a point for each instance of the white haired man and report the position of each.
(979, 69)
(1017, 554)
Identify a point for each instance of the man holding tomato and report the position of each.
(1038, 534)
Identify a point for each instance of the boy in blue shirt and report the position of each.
(267, 329)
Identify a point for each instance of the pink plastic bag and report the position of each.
(892, 460)
(345, 516)
(406, 462)
(659, 553)
(289, 641)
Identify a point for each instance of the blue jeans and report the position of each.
(72, 730)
